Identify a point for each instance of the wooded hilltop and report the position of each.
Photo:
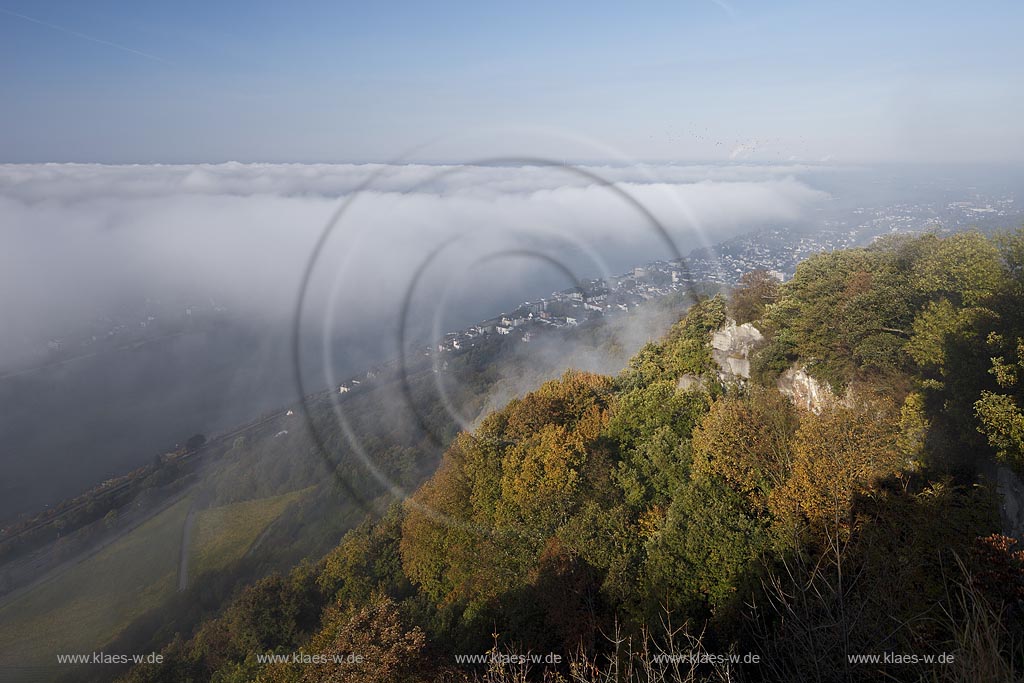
(615, 520)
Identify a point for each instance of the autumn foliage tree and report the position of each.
(746, 440)
(837, 455)
(755, 291)
(366, 644)
(479, 525)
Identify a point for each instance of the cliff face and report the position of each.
(731, 347)
(805, 391)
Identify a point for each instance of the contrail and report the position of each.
(55, 27)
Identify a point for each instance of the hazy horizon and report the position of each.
(871, 82)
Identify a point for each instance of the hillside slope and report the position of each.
(609, 519)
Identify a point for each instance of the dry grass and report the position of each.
(985, 649)
(674, 657)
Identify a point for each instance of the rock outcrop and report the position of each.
(803, 390)
(690, 381)
(731, 346)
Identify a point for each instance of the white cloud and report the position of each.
(79, 236)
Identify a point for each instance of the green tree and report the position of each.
(965, 268)
(707, 553)
(1003, 423)
(845, 314)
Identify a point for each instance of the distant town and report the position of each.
(774, 250)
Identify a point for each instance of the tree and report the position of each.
(836, 455)
(365, 562)
(1003, 423)
(846, 314)
(477, 527)
(684, 350)
(367, 644)
(268, 614)
(540, 481)
(939, 333)
(707, 552)
(914, 427)
(756, 290)
(965, 267)
(441, 532)
(745, 440)
(999, 413)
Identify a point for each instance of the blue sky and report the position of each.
(684, 80)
